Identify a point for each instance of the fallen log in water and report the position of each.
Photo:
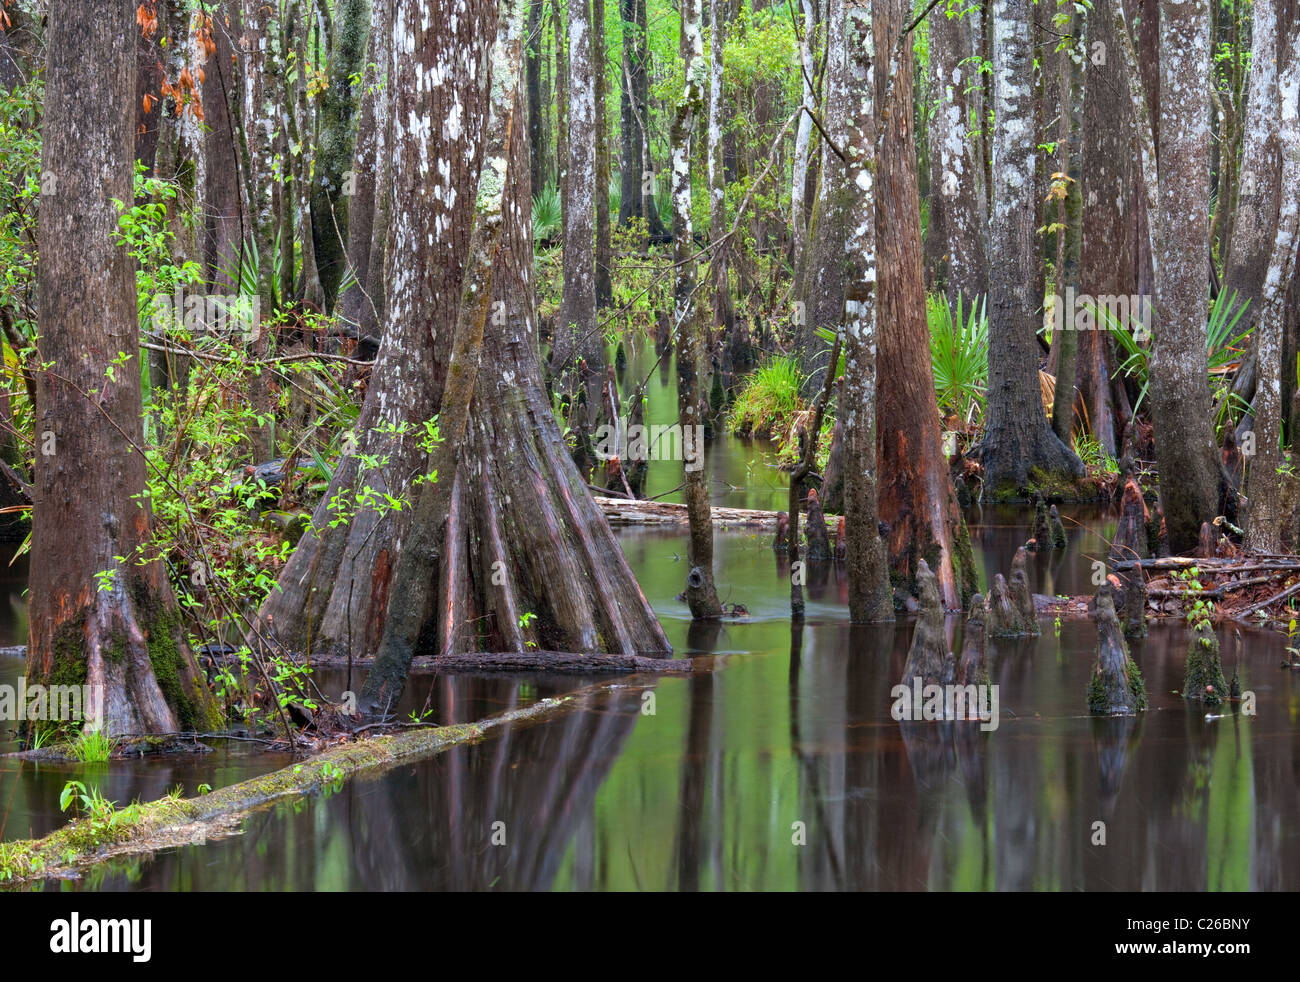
(621, 511)
(517, 661)
(171, 822)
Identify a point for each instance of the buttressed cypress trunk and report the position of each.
(1019, 449)
(509, 551)
(916, 497)
(95, 620)
(333, 592)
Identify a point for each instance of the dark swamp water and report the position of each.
(789, 739)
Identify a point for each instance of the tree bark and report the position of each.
(821, 286)
(1192, 479)
(1109, 227)
(333, 592)
(1263, 488)
(799, 170)
(102, 612)
(1019, 449)
(336, 135)
(701, 595)
(604, 251)
(956, 241)
(870, 596)
(514, 562)
(916, 496)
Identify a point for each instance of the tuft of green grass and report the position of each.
(768, 399)
(92, 746)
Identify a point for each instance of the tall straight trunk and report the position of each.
(1255, 223)
(821, 282)
(649, 206)
(374, 314)
(916, 496)
(102, 612)
(533, 87)
(701, 594)
(630, 128)
(489, 544)
(578, 351)
(956, 248)
(1263, 489)
(723, 311)
(561, 118)
(1109, 226)
(224, 221)
(604, 252)
(870, 597)
(362, 202)
(1192, 480)
(1069, 207)
(1019, 446)
(333, 593)
(799, 171)
(336, 135)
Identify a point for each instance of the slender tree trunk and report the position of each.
(1192, 480)
(916, 497)
(799, 172)
(1069, 207)
(631, 131)
(578, 351)
(333, 593)
(1108, 235)
(224, 221)
(956, 241)
(1264, 528)
(533, 87)
(335, 140)
(822, 280)
(1019, 448)
(1255, 223)
(701, 594)
(723, 310)
(102, 612)
(870, 596)
(604, 252)
(361, 189)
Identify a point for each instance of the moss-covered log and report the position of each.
(171, 822)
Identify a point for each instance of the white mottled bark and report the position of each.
(870, 598)
(799, 181)
(1263, 531)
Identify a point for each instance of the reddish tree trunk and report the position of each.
(122, 635)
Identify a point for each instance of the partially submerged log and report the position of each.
(1116, 687)
(622, 512)
(926, 656)
(1203, 678)
(557, 661)
(172, 822)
